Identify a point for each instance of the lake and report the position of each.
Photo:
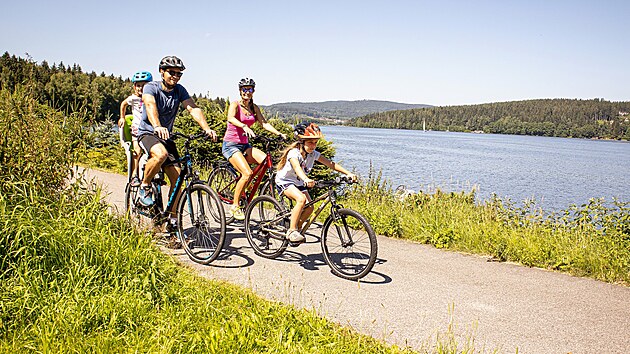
(555, 172)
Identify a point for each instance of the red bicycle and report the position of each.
(224, 177)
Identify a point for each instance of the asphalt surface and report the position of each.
(415, 291)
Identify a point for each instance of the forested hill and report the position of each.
(68, 88)
(595, 118)
(333, 110)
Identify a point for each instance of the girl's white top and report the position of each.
(286, 175)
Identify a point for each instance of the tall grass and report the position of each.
(589, 240)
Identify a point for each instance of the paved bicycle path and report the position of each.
(407, 297)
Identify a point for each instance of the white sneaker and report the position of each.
(237, 213)
(295, 237)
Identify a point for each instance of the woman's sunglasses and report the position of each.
(245, 89)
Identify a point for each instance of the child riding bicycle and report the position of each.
(292, 178)
(139, 79)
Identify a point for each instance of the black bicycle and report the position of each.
(347, 239)
(200, 215)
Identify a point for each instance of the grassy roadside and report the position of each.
(77, 279)
(591, 240)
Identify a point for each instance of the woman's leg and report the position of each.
(254, 155)
(242, 166)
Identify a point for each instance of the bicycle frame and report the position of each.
(330, 199)
(185, 173)
(258, 173)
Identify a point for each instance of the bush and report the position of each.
(38, 144)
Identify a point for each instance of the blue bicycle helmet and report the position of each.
(142, 76)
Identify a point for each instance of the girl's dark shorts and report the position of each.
(282, 188)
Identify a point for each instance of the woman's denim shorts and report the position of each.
(229, 148)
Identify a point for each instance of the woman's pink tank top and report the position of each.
(235, 134)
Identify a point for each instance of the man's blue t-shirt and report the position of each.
(167, 106)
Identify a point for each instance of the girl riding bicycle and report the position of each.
(292, 178)
(242, 114)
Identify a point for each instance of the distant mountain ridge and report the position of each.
(334, 110)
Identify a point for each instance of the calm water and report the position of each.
(556, 172)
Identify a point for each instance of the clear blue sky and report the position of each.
(433, 52)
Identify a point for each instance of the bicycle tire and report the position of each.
(201, 234)
(223, 181)
(350, 261)
(265, 236)
(130, 200)
(136, 213)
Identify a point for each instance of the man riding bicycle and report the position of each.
(161, 105)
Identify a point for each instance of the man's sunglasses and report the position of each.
(245, 89)
(175, 73)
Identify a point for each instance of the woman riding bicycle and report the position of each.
(242, 114)
(292, 178)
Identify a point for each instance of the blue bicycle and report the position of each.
(200, 215)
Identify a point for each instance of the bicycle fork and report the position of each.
(334, 215)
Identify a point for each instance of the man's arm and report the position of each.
(198, 116)
(148, 102)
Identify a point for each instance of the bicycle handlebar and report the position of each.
(335, 182)
(264, 139)
(177, 135)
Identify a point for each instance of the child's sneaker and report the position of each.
(135, 181)
(295, 237)
(145, 196)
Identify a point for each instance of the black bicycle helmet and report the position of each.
(246, 82)
(171, 61)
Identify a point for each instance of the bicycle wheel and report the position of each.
(223, 180)
(130, 200)
(266, 224)
(135, 212)
(201, 234)
(349, 244)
